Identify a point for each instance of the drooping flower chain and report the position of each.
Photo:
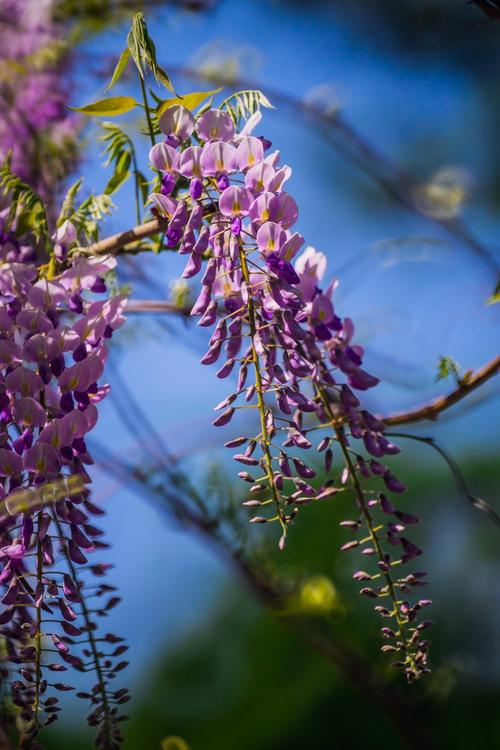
(52, 353)
(225, 203)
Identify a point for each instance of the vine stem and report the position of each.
(92, 641)
(38, 638)
(136, 186)
(148, 113)
(476, 502)
(266, 440)
(339, 432)
(434, 408)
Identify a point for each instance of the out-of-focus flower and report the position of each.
(444, 196)
(35, 124)
(318, 596)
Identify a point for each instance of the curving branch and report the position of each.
(155, 306)
(433, 409)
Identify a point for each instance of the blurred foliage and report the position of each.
(446, 367)
(92, 16)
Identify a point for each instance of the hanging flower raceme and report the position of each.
(295, 362)
(53, 337)
(379, 529)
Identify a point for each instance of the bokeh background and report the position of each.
(388, 113)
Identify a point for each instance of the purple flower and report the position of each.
(218, 157)
(235, 202)
(215, 125)
(282, 268)
(176, 121)
(250, 152)
(165, 158)
(190, 162)
(273, 320)
(270, 238)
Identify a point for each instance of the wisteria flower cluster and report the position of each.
(296, 364)
(53, 335)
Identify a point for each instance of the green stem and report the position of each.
(38, 637)
(148, 112)
(266, 440)
(92, 642)
(136, 187)
(339, 432)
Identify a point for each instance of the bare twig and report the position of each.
(434, 408)
(155, 306)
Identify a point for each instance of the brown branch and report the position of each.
(155, 306)
(120, 241)
(434, 408)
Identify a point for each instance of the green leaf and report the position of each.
(495, 297)
(121, 173)
(134, 46)
(120, 68)
(91, 211)
(26, 207)
(113, 106)
(190, 101)
(207, 104)
(243, 104)
(144, 186)
(162, 77)
(143, 52)
(116, 181)
(155, 96)
(446, 367)
(120, 152)
(67, 207)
